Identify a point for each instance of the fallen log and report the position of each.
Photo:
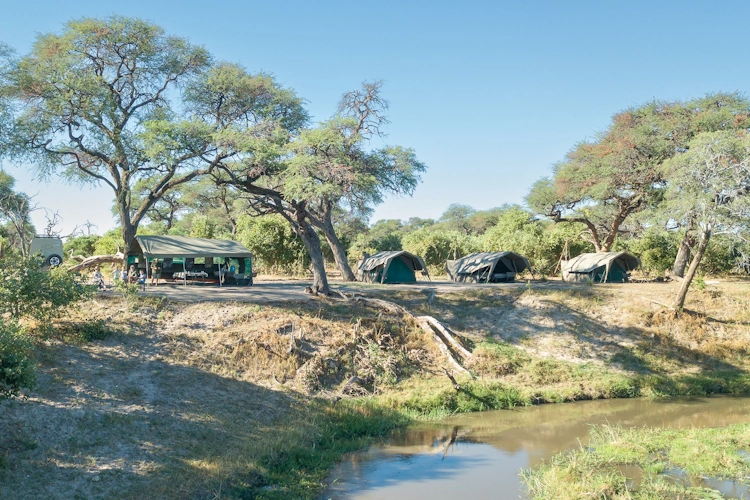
(97, 260)
(425, 325)
(447, 335)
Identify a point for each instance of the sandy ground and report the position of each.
(294, 290)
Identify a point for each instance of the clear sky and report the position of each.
(489, 94)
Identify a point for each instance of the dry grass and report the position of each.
(213, 400)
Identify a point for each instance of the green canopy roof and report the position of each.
(183, 247)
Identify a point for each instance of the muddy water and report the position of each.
(478, 456)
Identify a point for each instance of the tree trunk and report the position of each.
(682, 293)
(337, 248)
(312, 243)
(683, 254)
(128, 237)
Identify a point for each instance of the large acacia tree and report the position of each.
(710, 184)
(604, 181)
(102, 102)
(333, 169)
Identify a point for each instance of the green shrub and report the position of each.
(275, 246)
(93, 330)
(28, 291)
(436, 246)
(16, 367)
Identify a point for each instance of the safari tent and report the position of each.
(390, 267)
(486, 267)
(181, 257)
(607, 267)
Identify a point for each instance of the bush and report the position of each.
(27, 290)
(657, 249)
(543, 243)
(436, 246)
(273, 243)
(82, 245)
(16, 367)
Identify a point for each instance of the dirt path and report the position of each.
(119, 419)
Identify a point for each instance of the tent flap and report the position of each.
(184, 247)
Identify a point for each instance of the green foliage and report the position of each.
(16, 366)
(109, 243)
(27, 291)
(542, 243)
(657, 249)
(436, 246)
(82, 245)
(720, 257)
(274, 244)
(384, 235)
(93, 330)
(202, 227)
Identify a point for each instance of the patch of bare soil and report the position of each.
(178, 401)
(121, 418)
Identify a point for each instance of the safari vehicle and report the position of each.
(49, 247)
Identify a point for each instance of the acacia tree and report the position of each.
(15, 209)
(332, 168)
(100, 102)
(602, 182)
(710, 184)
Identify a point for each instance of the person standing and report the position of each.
(155, 272)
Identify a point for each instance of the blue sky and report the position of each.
(489, 94)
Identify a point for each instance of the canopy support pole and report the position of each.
(184, 274)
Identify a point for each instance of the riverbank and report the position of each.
(226, 400)
(618, 463)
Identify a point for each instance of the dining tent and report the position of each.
(486, 267)
(187, 249)
(605, 267)
(390, 267)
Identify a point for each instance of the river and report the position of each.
(478, 455)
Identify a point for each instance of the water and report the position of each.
(478, 456)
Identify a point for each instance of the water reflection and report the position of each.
(478, 455)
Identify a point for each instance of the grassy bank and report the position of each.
(227, 400)
(646, 464)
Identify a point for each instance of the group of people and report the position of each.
(132, 275)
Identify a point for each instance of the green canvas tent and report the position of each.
(390, 267)
(606, 267)
(486, 267)
(223, 258)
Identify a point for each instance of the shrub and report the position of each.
(16, 367)
(273, 243)
(436, 246)
(27, 290)
(542, 243)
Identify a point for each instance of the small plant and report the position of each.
(94, 330)
(16, 366)
(699, 283)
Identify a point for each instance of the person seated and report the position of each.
(142, 277)
(132, 274)
(98, 279)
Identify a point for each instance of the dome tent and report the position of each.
(606, 267)
(485, 267)
(390, 267)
